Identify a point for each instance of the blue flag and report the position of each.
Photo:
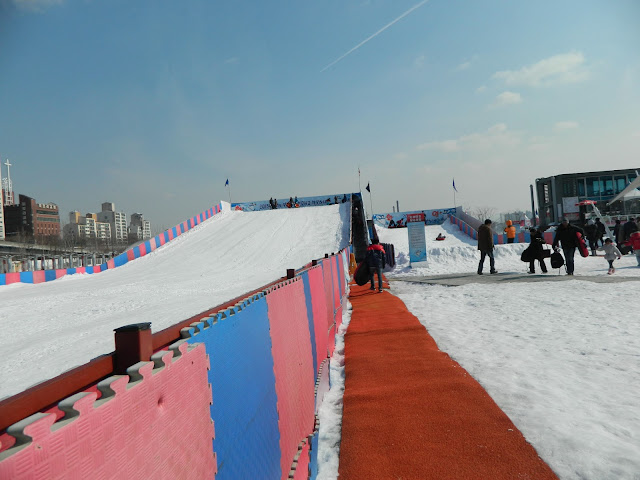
(454, 185)
(227, 182)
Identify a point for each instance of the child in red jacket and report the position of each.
(634, 241)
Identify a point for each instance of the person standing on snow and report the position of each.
(376, 262)
(485, 245)
(618, 232)
(592, 234)
(566, 235)
(601, 230)
(610, 254)
(630, 227)
(510, 230)
(537, 251)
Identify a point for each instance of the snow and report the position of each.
(52, 327)
(561, 359)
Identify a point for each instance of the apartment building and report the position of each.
(139, 227)
(117, 221)
(86, 226)
(30, 218)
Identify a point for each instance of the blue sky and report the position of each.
(154, 104)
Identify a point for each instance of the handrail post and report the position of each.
(133, 345)
(291, 272)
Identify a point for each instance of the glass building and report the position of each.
(560, 196)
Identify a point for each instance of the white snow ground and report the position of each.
(562, 359)
(52, 327)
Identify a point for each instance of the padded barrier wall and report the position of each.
(148, 424)
(293, 367)
(242, 380)
(39, 276)
(263, 390)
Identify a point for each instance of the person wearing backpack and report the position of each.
(375, 262)
(566, 235)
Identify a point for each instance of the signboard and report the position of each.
(417, 242)
(569, 205)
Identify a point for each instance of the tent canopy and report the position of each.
(627, 191)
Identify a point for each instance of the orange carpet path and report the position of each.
(411, 412)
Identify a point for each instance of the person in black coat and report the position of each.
(630, 227)
(618, 232)
(537, 250)
(566, 235)
(592, 234)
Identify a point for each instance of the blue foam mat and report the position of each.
(244, 409)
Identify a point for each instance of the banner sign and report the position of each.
(417, 242)
(399, 219)
(293, 202)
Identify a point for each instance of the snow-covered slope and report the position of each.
(52, 327)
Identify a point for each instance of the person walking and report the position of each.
(592, 234)
(566, 235)
(485, 245)
(375, 262)
(537, 250)
(510, 230)
(610, 254)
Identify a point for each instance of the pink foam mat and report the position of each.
(319, 308)
(152, 423)
(293, 368)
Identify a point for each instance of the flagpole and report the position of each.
(359, 186)
(371, 202)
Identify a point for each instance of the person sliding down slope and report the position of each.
(375, 262)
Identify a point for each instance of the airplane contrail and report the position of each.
(418, 5)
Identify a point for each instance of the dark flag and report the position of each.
(368, 189)
(227, 182)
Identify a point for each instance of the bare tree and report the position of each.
(482, 213)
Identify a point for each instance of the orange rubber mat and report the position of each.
(411, 412)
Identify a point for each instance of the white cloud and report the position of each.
(466, 64)
(481, 89)
(507, 98)
(36, 5)
(497, 136)
(560, 126)
(556, 70)
(232, 61)
(419, 62)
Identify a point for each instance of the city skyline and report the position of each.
(155, 107)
